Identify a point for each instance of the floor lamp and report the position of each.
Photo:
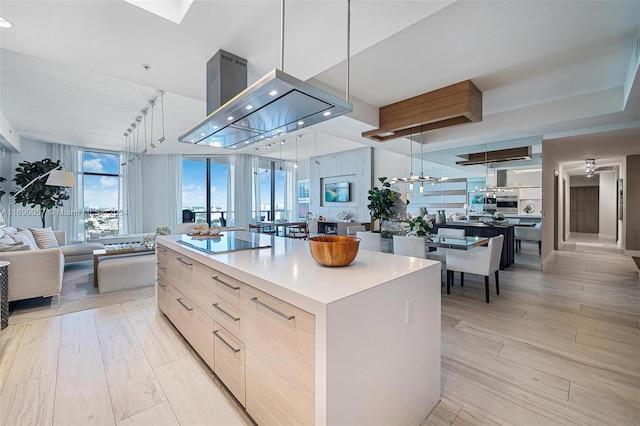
(56, 177)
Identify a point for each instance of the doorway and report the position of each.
(584, 209)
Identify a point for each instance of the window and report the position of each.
(272, 180)
(101, 187)
(303, 198)
(207, 200)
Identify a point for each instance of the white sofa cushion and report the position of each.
(13, 246)
(44, 237)
(26, 238)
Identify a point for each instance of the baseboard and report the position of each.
(547, 260)
(608, 236)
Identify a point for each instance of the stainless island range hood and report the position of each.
(276, 104)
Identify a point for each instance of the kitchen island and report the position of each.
(299, 343)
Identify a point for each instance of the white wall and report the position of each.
(353, 166)
(524, 179)
(608, 204)
(23, 216)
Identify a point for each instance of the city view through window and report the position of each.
(101, 185)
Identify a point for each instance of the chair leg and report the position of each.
(540, 247)
(486, 286)
(461, 279)
(449, 279)
(497, 283)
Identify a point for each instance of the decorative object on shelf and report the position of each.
(382, 200)
(344, 216)
(334, 250)
(497, 216)
(46, 195)
(528, 209)
(440, 216)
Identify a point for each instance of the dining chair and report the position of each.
(441, 253)
(370, 240)
(409, 246)
(351, 230)
(481, 261)
(185, 227)
(528, 234)
(299, 231)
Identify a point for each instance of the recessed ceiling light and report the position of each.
(326, 113)
(4, 23)
(246, 142)
(249, 106)
(215, 127)
(261, 136)
(229, 118)
(300, 123)
(281, 142)
(203, 134)
(279, 130)
(273, 92)
(193, 140)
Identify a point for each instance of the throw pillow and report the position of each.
(13, 247)
(25, 238)
(9, 230)
(45, 238)
(6, 239)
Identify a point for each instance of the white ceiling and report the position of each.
(71, 71)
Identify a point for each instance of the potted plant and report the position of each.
(419, 227)
(38, 194)
(382, 200)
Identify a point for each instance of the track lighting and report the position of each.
(132, 140)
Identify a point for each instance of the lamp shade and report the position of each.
(61, 178)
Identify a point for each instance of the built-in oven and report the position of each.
(507, 203)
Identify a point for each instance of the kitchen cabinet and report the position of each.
(294, 341)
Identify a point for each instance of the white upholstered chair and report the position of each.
(409, 246)
(370, 240)
(481, 261)
(351, 230)
(185, 227)
(528, 234)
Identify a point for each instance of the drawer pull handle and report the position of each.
(275, 311)
(164, 268)
(215, 305)
(161, 250)
(224, 283)
(184, 262)
(160, 284)
(225, 342)
(183, 305)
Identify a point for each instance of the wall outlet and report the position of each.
(409, 311)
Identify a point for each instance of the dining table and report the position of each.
(277, 224)
(435, 241)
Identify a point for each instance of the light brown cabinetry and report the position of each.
(261, 348)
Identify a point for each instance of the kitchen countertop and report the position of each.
(287, 270)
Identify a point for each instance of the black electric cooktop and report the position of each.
(221, 243)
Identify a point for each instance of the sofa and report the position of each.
(35, 272)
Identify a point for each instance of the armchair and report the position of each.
(481, 261)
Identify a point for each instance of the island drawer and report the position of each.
(179, 270)
(198, 286)
(273, 322)
(230, 361)
(161, 294)
(228, 316)
(228, 288)
(162, 253)
(192, 322)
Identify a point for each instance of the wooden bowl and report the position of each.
(334, 250)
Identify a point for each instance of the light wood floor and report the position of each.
(561, 347)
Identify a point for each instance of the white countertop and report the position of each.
(287, 270)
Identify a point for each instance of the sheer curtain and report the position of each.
(131, 216)
(71, 218)
(173, 185)
(243, 190)
(290, 191)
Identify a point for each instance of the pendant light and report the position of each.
(421, 162)
(411, 159)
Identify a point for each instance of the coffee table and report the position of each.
(111, 252)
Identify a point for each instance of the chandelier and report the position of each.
(590, 165)
(416, 179)
(133, 145)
